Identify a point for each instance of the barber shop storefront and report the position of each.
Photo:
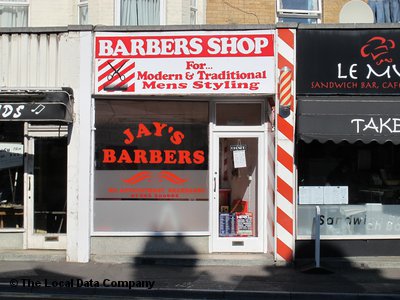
(182, 122)
(348, 141)
(33, 165)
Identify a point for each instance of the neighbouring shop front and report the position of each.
(33, 166)
(348, 140)
(45, 142)
(182, 123)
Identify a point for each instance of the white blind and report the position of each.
(13, 13)
(140, 12)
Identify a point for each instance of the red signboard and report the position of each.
(185, 62)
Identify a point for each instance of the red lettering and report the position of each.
(169, 157)
(143, 131)
(130, 138)
(155, 157)
(109, 156)
(124, 157)
(177, 137)
(159, 127)
(140, 157)
(184, 157)
(198, 157)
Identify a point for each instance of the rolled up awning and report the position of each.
(351, 119)
(36, 105)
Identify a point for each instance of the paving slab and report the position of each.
(204, 281)
(225, 276)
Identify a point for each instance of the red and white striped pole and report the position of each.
(285, 91)
(284, 162)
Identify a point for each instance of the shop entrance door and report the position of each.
(46, 180)
(238, 192)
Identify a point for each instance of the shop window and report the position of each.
(83, 12)
(139, 12)
(239, 114)
(11, 175)
(357, 187)
(151, 166)
(14, 13)
(301, 11)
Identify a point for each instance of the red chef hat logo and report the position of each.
(379, 49)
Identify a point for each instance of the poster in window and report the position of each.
(311, 195)
(336, 195)
(244, 224)
(239, 155)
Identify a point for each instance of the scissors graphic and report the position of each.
(116, 72)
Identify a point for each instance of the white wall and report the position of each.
(52, 12)
(178, 12)
(174, 12)
(201, 11)
(79, 151)
(102, 12)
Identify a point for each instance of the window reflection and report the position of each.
(371, 174)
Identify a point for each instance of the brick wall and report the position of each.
(261, 11)
(240, 12)
(331, 10)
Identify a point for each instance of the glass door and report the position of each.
(47, 192)
(238, 192)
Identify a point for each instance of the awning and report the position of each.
(351, 119)
(36, 105)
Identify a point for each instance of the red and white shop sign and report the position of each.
(185, 63)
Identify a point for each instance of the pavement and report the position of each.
(46, 275)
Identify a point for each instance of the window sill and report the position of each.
(8, 230)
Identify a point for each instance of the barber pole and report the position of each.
(285, 91)
(285, 183)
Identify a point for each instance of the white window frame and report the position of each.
(117, 12)
(18, 3)
(298, 13)
(194, 10)
(81, 4)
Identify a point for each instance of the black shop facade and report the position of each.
(348, 140)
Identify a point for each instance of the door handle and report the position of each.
(215, 184)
